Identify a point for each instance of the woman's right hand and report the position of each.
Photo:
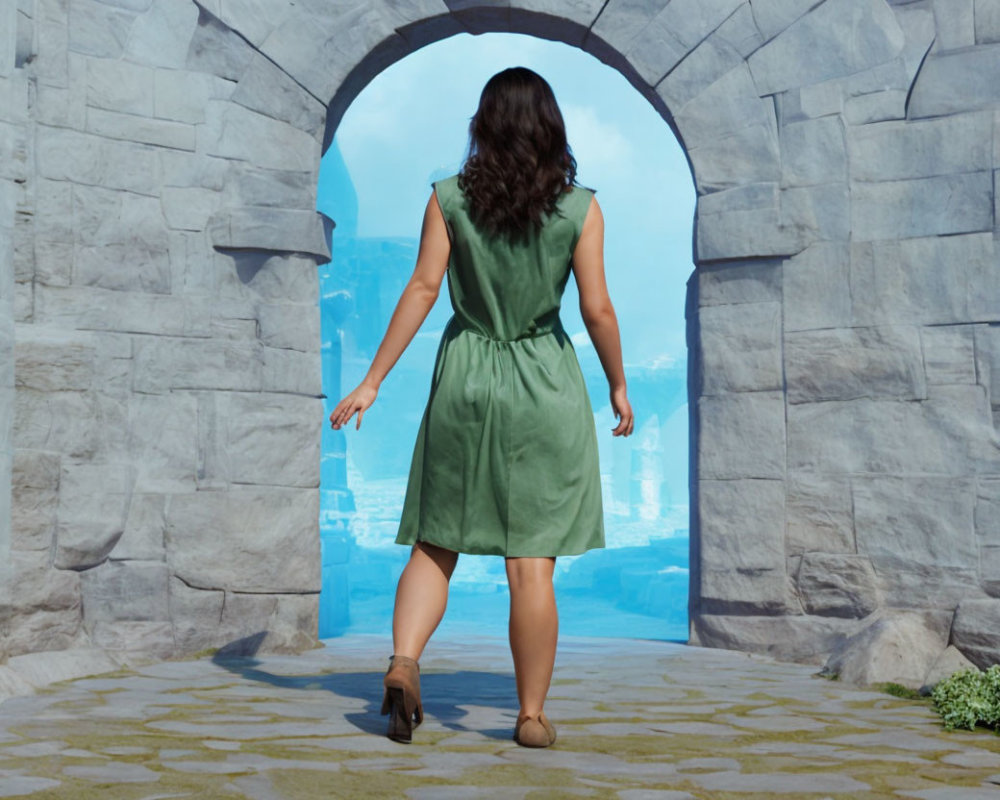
(623, 410)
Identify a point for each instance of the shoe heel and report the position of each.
(400, 720)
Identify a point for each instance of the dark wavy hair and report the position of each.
(519, 162)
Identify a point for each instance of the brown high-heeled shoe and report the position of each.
(402, 697)
(535, 731)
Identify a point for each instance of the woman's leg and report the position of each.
(534, 628)
(421, 597)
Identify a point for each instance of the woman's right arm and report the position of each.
(599, 314)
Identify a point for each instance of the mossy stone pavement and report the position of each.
(636, 719)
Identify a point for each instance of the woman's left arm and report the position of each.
(414, 305)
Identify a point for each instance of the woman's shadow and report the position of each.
(441, 693)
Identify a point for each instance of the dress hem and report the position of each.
(505, 555)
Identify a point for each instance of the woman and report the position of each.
(505, 461)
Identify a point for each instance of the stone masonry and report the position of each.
(161, 397)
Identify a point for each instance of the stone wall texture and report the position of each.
(161, 407)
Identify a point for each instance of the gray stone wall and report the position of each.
(844, 316)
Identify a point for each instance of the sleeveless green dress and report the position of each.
(506, 460)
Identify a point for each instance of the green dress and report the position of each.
(506, 460)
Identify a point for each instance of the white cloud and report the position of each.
(601, 146)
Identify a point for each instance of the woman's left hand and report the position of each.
(358, 400)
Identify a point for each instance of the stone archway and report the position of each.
(198, 129)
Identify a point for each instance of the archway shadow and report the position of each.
(442, 693)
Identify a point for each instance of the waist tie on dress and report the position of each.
(550, 325)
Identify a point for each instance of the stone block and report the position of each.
(955, 24)
(164, 364)
(752, 281)
(922, 148)
(267, 276)
(34, 499)
(121, 86)
(975, 631)
(933, 436)
(813, 151)
(53, 360)
(272, 439)
(989, 569)
(740, 347)
(97, 29)
(187, 170)
(742, 524)
(987, 354)
(746, 157)
(803, 638)
(280, 623)
(41, 610)
(916, 524)
(53, 262)
(68, 155)
(621, 22)
(294, 326)
(847, 363)
(742, 435)
(895, 645)
(163, 441)
(272, 188)
(987, 513)
(188, 209)
(232, 131)
(820, 212)
(740, 31)
(773, 16)
(50, 62)
(291, 371)
(161, 36)
(144, 525)
(148, 639)
(54, 210)
(957, 81)
(195, 614)
(744, 222)
(701, 67)
(819, 514)
(133, 128)
(837, 585)
(949, 353)
(181, 95)
(125, 590)
(96, 308)
(250, 526)
(943, 204)
(926, 280)
(828, 34)
(947, 664)
(45, 667)
(864, 109)
(987, 21)
(817, 289)
(93, 501)
(213, 459)
(265, 87)
(270, 229)
(255, 21)
(216, 48)
(724, 108)
(81, 425)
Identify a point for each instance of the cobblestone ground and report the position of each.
(636, 719)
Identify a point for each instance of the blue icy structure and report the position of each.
(637, 586)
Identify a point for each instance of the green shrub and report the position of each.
(898, 690)
(968, 697)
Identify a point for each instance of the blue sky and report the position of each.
(409, 126)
